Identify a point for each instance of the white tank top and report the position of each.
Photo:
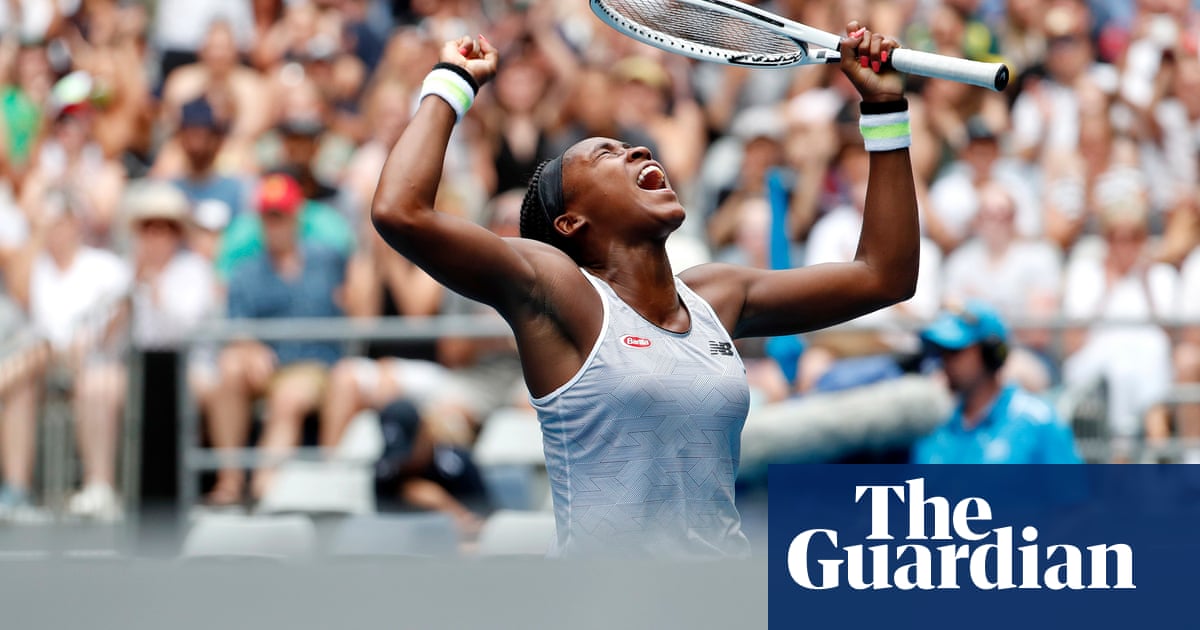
(642, 444)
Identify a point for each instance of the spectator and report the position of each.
(834, 238)
(1020, 277)
(1046, 115)
(518, 136)
(954, 197)
(656, 97)
(290, 278)
(992, 423)
(590, 111)
(762, 135)
(74, 295)
(237, 94)
(181, 28)
(320, 226)
(25, 81)
(423, 472)
(174, 287)
(1120, 283)
(302, 143)
(71, 156)
(200, 137)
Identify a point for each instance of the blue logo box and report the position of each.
(983, 546)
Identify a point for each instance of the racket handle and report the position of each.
(988, 75)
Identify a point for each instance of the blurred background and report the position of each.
(166, 391)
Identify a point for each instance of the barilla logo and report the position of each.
(635, 342)
(989, 558)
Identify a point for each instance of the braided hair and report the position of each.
(535, 223)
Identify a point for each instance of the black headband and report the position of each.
(550, 190)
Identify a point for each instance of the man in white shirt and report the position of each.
(1020, 277)
(1119, 286)
(75, 299)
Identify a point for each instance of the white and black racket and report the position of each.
(727, 31)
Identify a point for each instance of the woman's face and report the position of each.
(620, 190)
(157, 241)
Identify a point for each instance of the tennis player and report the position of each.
(639, 391)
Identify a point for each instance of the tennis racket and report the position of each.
(730, 32)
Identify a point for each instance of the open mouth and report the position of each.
(652, 177)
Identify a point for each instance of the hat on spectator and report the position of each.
(642, 70)
(764, 121)
(71, 95)
(979, 129)
(156, 200)
(198, 114)
(279, 193)
(961, 326)
(399, 423)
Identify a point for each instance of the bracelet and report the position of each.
(452, 84)
(885, 126)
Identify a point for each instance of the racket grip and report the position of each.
(989, 75)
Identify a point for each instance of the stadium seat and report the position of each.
(421, 535)
(320, 488)
(515, 533)
(277, 538)
(363, 440)
(510, 436)
(509, 456)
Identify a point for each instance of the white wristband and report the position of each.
(451, 88)
(886, 132)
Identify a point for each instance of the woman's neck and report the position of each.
(643, 278)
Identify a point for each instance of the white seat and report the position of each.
(363, 439)
(510, 436)
(221, 536)
(517, 533)
(320, 488)
(424, 535)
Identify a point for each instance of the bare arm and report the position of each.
(754, 302)
(458, 253)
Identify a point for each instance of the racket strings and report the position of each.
(701, 25)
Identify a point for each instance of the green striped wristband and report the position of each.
(451, 88)
(886, 132)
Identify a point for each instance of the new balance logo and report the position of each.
(723, 348)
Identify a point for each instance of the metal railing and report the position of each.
(194, 459)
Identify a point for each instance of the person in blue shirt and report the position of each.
(992, 422)
(289, 279)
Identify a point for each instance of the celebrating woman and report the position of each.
(638, 388)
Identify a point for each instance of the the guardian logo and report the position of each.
(985, 559)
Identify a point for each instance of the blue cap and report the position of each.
(198, 113)
(956, 328)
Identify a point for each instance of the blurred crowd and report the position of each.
(165, 163)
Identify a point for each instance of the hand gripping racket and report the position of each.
(727, 31)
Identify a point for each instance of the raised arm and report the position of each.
(458, 253)
(756, 302)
